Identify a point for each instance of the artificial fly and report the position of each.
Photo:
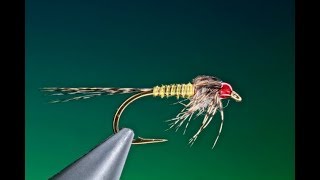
(204, 94)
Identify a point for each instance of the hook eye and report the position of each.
(236, 96)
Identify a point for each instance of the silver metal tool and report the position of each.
(104, 162)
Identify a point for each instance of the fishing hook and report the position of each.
(116, 119)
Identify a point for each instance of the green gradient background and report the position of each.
(249, 44)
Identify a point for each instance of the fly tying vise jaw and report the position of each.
(178, 90)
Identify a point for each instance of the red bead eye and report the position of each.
(225, 90)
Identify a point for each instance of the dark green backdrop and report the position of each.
(249, 44)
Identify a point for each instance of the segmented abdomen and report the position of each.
(178, 90)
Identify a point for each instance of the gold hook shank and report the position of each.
(116, 118)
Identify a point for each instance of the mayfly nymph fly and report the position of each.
(204, 96)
